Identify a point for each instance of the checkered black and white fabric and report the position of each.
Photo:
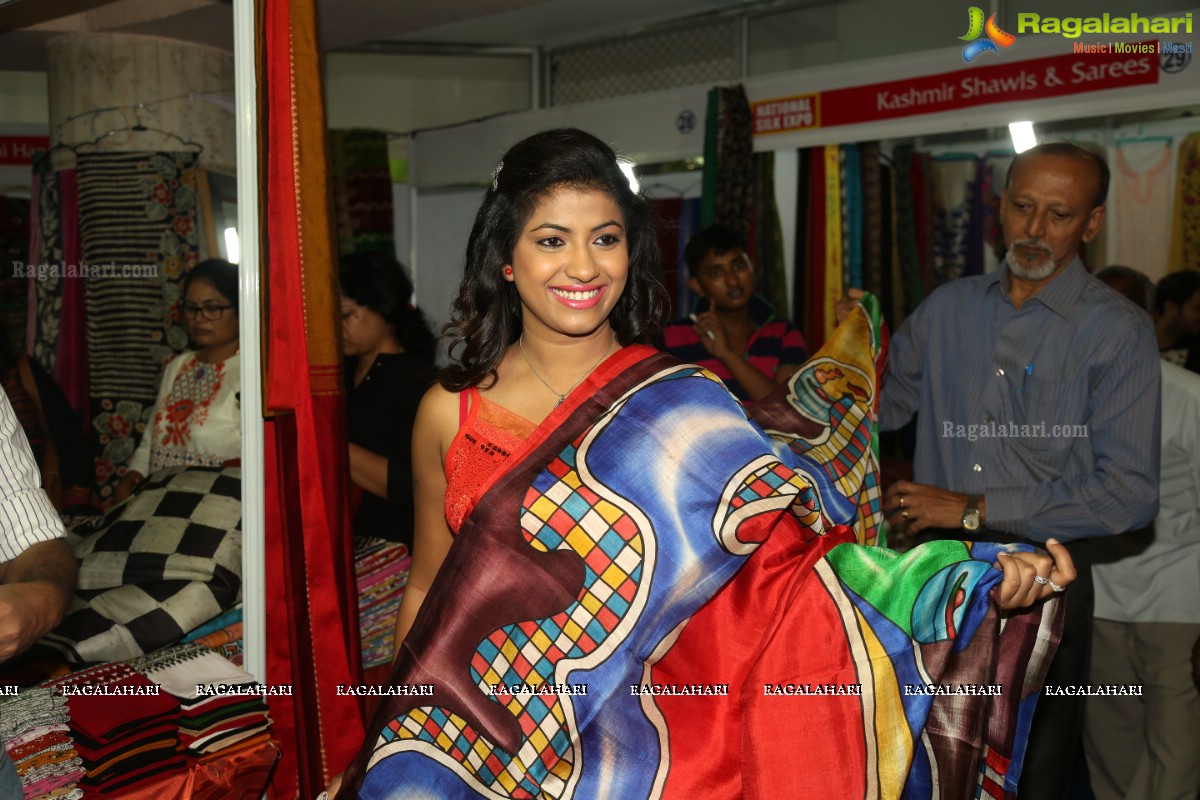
(160, 564)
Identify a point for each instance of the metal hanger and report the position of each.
(139, 127)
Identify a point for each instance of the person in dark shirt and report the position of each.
(736, 335)
(1177, 318)
(389, 351)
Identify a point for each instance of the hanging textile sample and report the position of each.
(137, 217)
(994, 175)
(872, 218)
(955, 192)
(910, 220)
(801, 271)
(1185, 222)
(892, 299)
(834, 280)
(729, 160)
(56, 319)
(361, 184)
(768, 236)
(852, 217)
(818, 230)
(1141, 199)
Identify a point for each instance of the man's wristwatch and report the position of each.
(970, 518)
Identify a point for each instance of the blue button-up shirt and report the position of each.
(1052, 411)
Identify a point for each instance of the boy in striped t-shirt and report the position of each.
(736, 335)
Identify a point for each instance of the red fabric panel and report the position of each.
(311, 610)
(776, 625)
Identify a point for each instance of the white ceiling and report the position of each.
(25, 25)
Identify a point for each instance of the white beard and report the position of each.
(1036, 271)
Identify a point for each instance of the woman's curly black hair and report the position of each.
(486, 316)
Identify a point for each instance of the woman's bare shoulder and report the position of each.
(438, 413)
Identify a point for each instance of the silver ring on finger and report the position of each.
(1040, 580)
(1054, 587)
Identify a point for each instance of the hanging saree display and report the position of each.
(137, 213)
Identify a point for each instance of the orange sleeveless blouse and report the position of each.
(487, 435)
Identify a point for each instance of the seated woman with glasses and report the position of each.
(197, 416)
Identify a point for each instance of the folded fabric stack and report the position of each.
(128, 735)
(114, 729)
(227, 642)
(220, 703)
(381, 568)
(223, 634)
(33, 726)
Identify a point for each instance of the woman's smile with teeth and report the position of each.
(575, 294)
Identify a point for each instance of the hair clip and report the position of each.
(496, 176)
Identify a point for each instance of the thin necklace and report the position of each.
(563, 395)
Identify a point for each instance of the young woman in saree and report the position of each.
(623, 588)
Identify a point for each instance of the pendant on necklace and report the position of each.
(561, 397)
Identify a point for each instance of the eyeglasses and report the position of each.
(191, 311)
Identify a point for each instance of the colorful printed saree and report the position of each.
(658, 600)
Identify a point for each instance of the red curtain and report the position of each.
(312, 631)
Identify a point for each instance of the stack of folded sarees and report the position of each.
(124, 728)
(120, 728)
(221, 705)
(33, 726)
(381, 568)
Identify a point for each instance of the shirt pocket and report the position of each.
(1055, 410)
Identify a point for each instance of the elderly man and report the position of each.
(37, 568)
(1036, 390)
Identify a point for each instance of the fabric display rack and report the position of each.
(906, 219)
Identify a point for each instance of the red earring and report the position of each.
(508, 272)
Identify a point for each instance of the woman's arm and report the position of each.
(381, 463)
(435, 427)
(369, 470)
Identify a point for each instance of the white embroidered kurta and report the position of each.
(197, 417)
